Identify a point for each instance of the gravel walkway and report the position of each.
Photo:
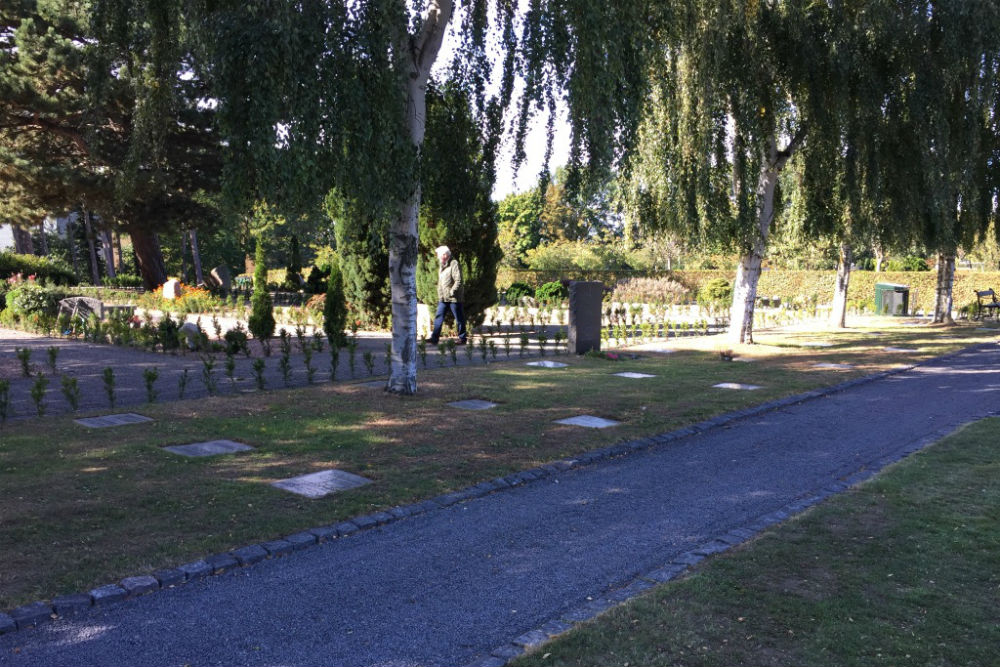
(457, 584)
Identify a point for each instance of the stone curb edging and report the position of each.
(35, 613)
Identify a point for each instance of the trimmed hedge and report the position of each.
(806, 285)
(43, 268)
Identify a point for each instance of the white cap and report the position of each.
(442, 250)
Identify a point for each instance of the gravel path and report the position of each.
(456, 584)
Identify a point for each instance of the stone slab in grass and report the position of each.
(547, 364)
(661, 350)
(634, 376)
(588, 421)
(473, 404)
(210, 448)
(816, 344)
(323, 483)
(374, 384)
(899, 349)
(113, 420)
(832, 365)
(736, 385)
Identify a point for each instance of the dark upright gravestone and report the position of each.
(585, 316)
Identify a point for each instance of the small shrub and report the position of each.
(551, 292)
(108, 375)
(258, 372)
(149, 377)
(24, 356)
(182, 383)
(208, 374)
(38, 393)
(516, 291)
(237, 340)
(71, 390)
(261, 322)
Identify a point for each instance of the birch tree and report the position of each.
(320, 95)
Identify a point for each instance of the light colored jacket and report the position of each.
(450, 289)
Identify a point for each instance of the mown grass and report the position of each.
(903, 570)
(84, 507)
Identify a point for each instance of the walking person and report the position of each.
(450, 295)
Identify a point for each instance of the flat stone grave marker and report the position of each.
(113, 420)
(816, 344)
(588, 421)
(736, 385)
(473, 404)
(899, 349)
(661, 350)
(547, 364)
(636, 376)
(830, 365)
(990, 329)
(319, 484)
(210, 448)
(374, 384)
(745, 360)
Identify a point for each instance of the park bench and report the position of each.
(991, 306)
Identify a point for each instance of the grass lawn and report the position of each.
(84, 507)
(902, 570)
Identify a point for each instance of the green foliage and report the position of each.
(364, 260)
(261, 322)
(551, 292)
(516, 291)
(335, 308)
(38, 389)
(71, 391)
(457, 208)
(149, 378)
(29, 298)
(716, 293)
(108, 376)
(236, 340)
(519, 226)
(43, 268)
(908, 263)
(585, 255)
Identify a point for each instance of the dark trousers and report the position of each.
(456, 310)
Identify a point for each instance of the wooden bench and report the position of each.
(991, 306)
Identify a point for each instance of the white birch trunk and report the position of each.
(748, 273)
(109, 254)
(838, 316)
(943, 302)
(199, 279)
(421, 52)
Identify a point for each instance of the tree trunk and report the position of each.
(945, 281)
(95, 275)
(422, 51)
(748, 273)
(118, 254)
(149, 257)
(109, 253)
(71, 237)
(23, 245)
(184, 267)
(879, 253)
(838, 317)
(199, 279)
(43, 240)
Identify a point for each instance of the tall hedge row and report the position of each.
(791, 285)
(43, 268)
